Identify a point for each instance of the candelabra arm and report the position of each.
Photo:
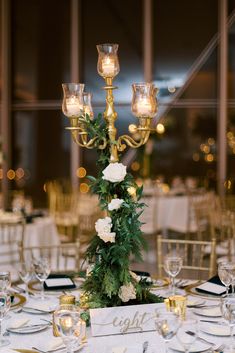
(131, 142)
(110, 116)
(88, 144)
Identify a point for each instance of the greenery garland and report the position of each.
(110, 281)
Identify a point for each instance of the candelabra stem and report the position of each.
(110, 116)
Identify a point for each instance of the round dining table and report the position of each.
(44, 341)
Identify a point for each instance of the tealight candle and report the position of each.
(143, 106)
(108, 66)
(73, 106)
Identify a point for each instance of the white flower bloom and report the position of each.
(89, 269)
(108, 237)
(115, 204)
(103, 227)
(127, 292)
(114, 172)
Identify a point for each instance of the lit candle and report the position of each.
(108, 66)
(88, 110)
(73, 106)
(143, 106)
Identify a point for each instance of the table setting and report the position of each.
(28, 326)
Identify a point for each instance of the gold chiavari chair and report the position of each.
(195, 262)
(11, 237)
(63, 258)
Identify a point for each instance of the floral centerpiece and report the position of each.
(119, 237)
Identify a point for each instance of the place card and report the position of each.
(124, 319)
(211, 288)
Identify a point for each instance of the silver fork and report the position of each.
(191, 333)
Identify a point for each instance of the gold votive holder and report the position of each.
(177, 304)
(67, 299)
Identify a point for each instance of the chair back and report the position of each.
(196, 262)
(11, 236)
(64, 257)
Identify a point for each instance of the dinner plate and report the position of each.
(27, 330)
(197, 346)
(208, 312)
(195, 302)
(216, 330)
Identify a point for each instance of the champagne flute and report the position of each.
(188, 332)
(224, 275)
(42, 270)
(172, 266)
(5, 281)
(227, 307)
(167, 324)
(5, 304)
(67, 321)
(26, 272)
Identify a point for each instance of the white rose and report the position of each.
(115, 204)
(108, 237)
(103, 225)
(114, 172)
(127, 292)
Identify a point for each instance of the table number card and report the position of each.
(123, 319)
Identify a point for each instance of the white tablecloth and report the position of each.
(132, 341)
(170, 212)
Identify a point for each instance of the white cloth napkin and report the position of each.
(52, 343)
(19, 323)
(137, 348)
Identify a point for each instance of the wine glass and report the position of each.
(167, 324)
(26, 272)
(5, 304)
(227, 307)
(188, 332)
(67, 321)
(224, 275)
(172, 266)
(5, 281)
(231, 270)
(42, 269)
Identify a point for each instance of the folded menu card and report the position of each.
(59, 281)
(212, 286)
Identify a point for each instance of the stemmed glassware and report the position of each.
(5, 281)
(230, 266)
(42, 269)
(68, 323)
(225, 275)
(227, 307)
(167, 324)
(188, 332)
(26, 272)
(172, 266)
(5, 304)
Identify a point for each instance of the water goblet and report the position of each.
(167, 324)
(67, 321)
(42, 270)
(172, 266)
(5, 304)
(26, 272)
(224, 275)
(188, 332)
(227, 307)
(5, 281)
(231, 270)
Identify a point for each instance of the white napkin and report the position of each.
(19, 323)
(137, 348)
(41, 306)
(52, 343)
(212, 288)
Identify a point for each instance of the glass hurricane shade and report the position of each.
(144, 103)
(108, 64)
(72, 105)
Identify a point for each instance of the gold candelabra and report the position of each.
(77, 103)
